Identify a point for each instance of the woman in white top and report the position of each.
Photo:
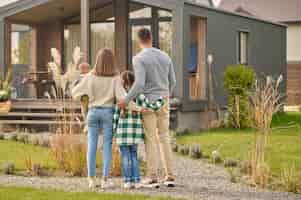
(103, 87)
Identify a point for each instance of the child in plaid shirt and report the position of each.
(129, 132)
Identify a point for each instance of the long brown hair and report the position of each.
(105, 63)
(128, 79)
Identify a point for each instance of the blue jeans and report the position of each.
(100, 118)
(130, 163)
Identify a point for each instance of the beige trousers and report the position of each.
(156, 125)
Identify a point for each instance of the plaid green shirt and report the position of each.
(128, 126)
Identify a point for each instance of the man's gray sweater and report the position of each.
(154, 75)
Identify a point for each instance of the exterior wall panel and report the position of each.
(294, 43)
(267, 46)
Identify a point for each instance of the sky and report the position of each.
(4, 2)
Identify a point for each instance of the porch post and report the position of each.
(85, 29)
(7, 45)
(121, 10)
(34, 57)
(177, 48)
(2, 47)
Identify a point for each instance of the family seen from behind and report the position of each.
(132, 108)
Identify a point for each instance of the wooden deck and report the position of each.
(41, 112)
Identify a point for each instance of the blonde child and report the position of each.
(84, 69)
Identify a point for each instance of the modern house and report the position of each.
(191, 31)
(286, 12)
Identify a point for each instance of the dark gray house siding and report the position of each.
(266, 52)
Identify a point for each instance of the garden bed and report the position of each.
(283, 150)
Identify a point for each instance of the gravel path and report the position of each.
(197, 181)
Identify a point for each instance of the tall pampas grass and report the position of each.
(265, 101)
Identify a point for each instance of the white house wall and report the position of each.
(294, 43)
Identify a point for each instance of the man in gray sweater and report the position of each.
(155, 78)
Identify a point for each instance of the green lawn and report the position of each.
(12, 193)
(16, 153)
(284, 144)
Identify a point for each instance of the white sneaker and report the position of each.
(106, 184)
(137, 185)
(91, 182)
(150, 183)
(169, 182)
(127, 186)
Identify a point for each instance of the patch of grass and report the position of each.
(283, 148)
(286, 119)
(16, 152)
(12, 193)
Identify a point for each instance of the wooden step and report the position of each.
(42, 115)
(43, 104)
(38, 122)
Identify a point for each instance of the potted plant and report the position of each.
(5, 92)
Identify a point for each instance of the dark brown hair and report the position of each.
(145, 35)
(105, 63)
(128, 79)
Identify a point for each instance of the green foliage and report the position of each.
(14, 152)
(238, 81)
(24, 45)
(289, 179)
(5, 86)
(283, 146)
(13, 193)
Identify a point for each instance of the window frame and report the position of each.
(239, 49)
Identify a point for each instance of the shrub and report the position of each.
(34, 141)
(22, 138)
(245, 167)
(238, 81)
(174, 147)
(8, 168)
(184, 150)
(2, 137)
(230, 162)
(195, 152)
(289, 179)
(265, 101)
(69, 154)
(216, 157)
(116, 161)
(34, 169)
(44, 142)
(13, 137)
(233, 175)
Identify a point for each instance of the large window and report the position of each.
(72, 40)
(165, 36)
(102, 36)
(243, 47)
(20, 44)
(157, 20)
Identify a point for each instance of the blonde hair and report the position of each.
(105, 63)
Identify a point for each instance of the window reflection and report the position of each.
(20, 44)
(165, 37)
(102, 36)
